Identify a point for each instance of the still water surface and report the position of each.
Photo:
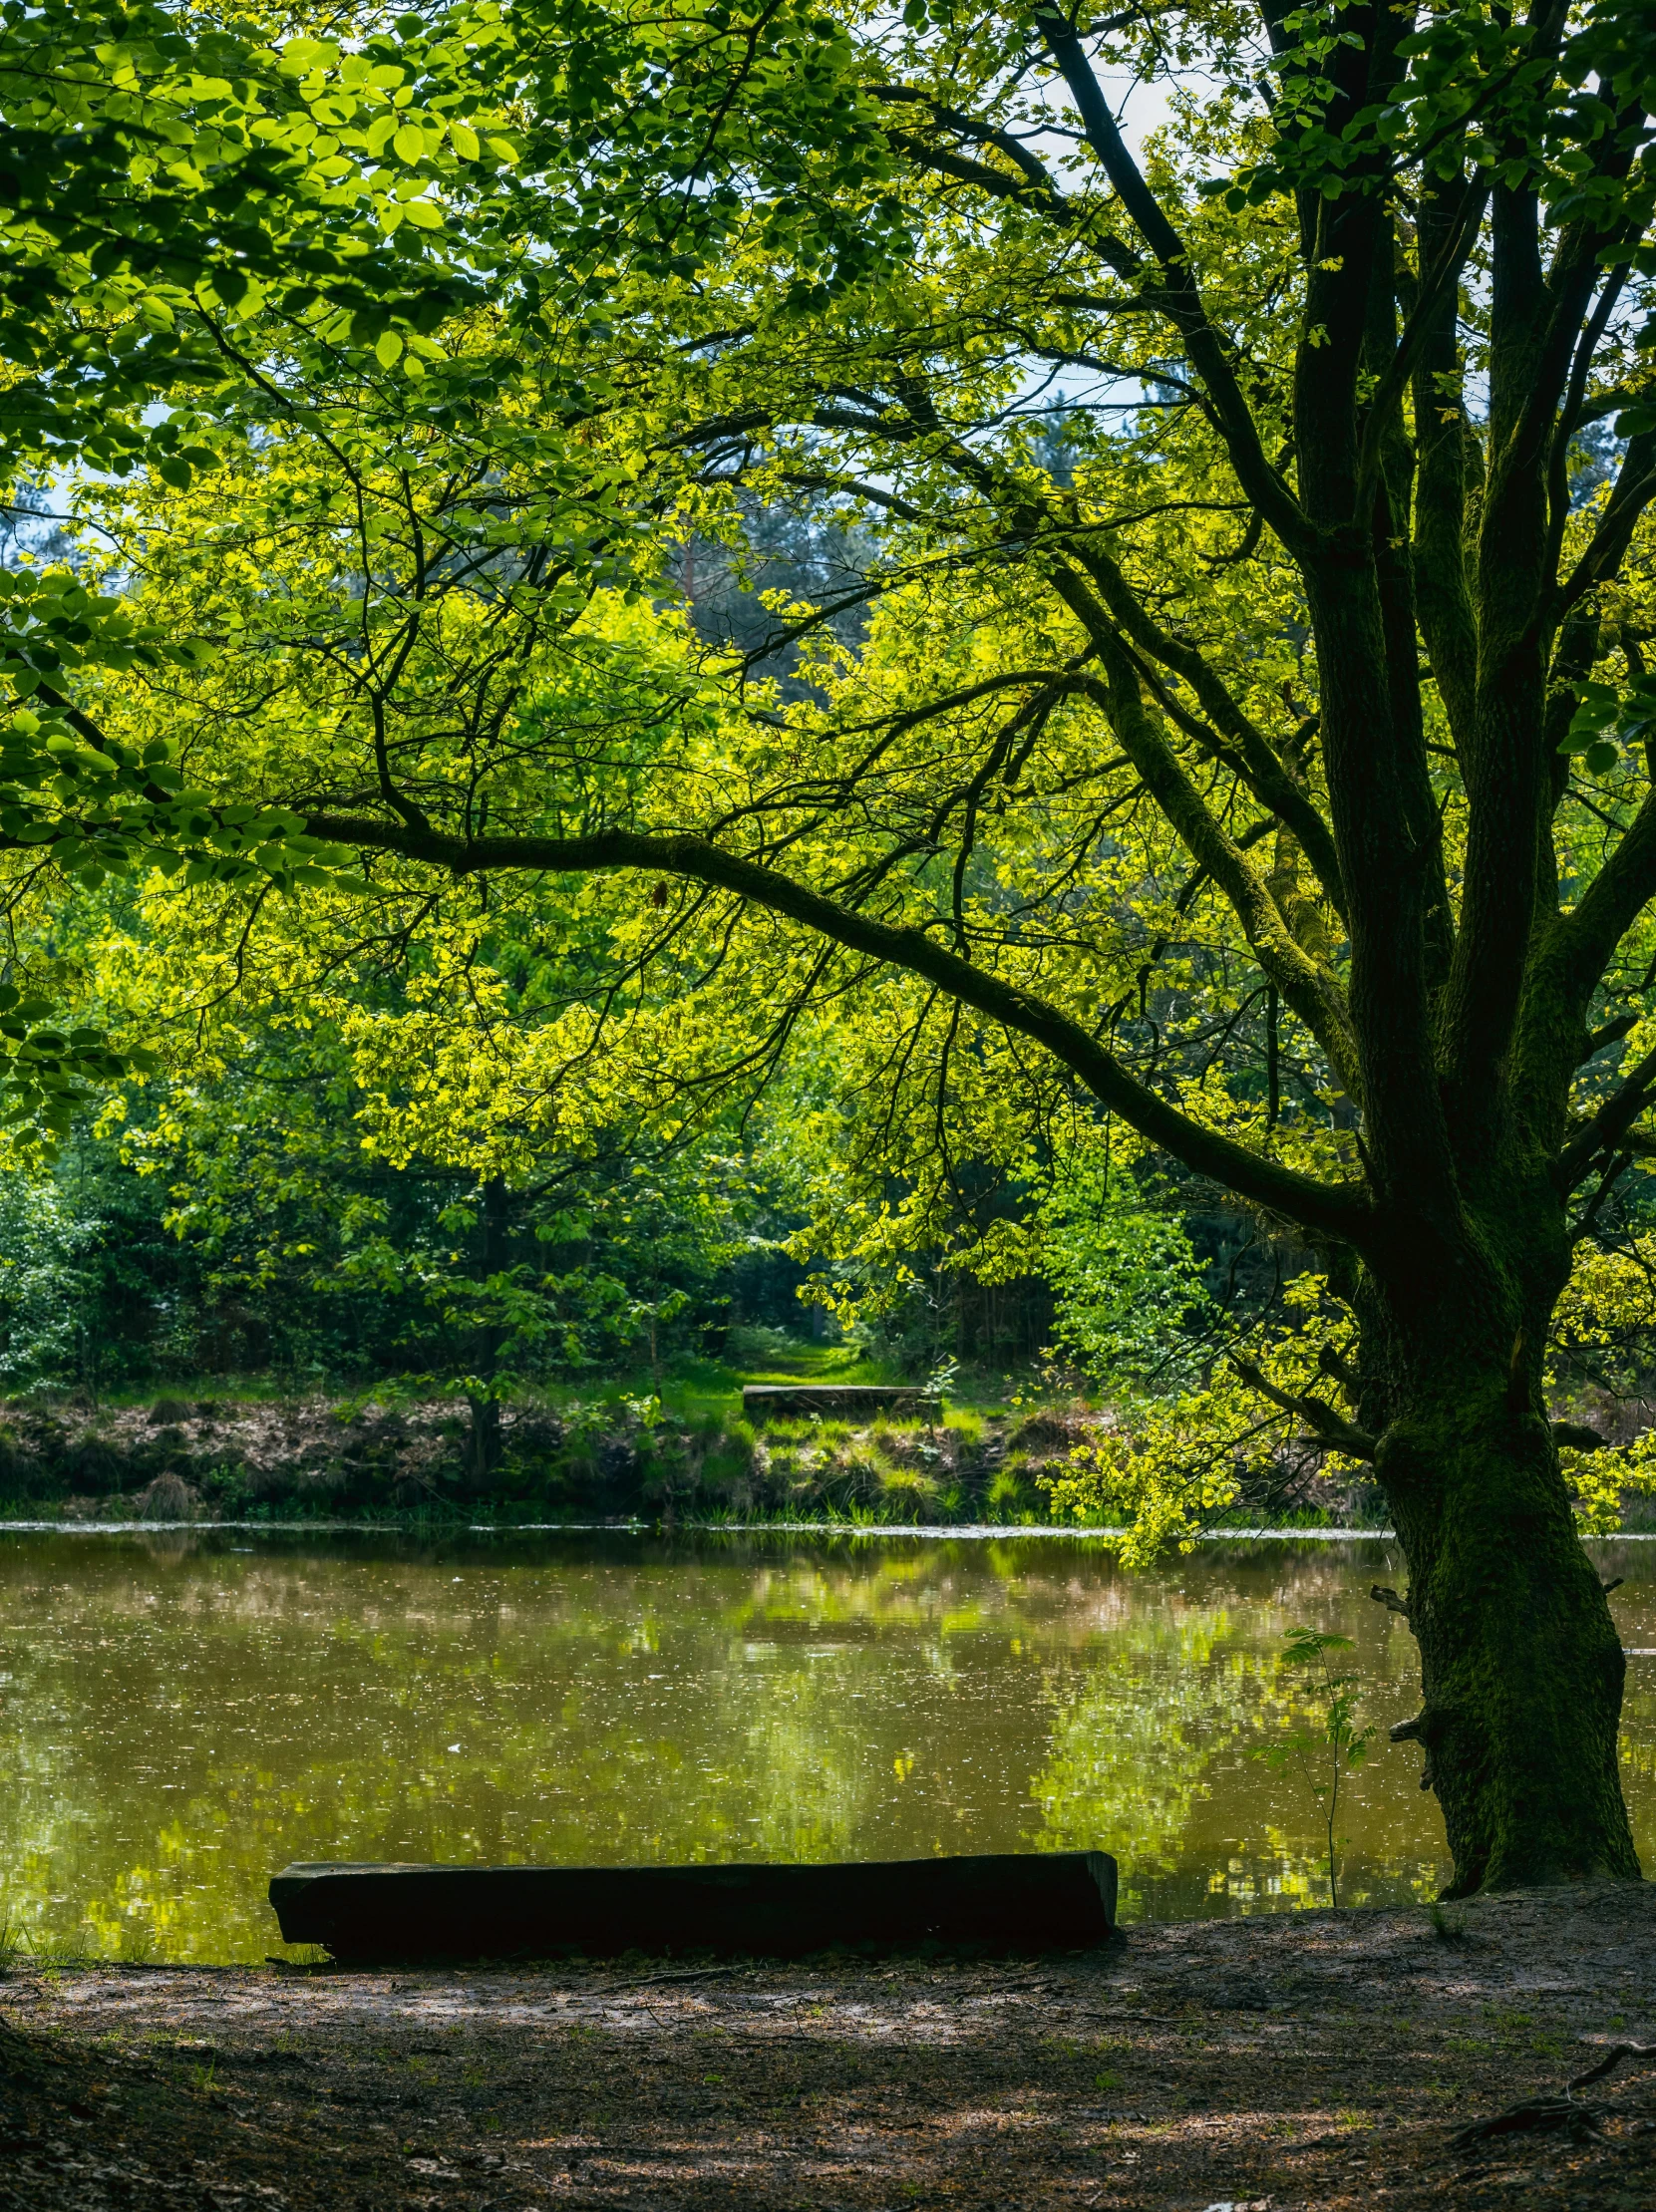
(183, 1713)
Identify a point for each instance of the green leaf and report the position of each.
(1596, 711)
(305, 54)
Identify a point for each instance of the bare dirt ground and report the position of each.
(1303, 2061)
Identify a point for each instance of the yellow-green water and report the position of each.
(183, 1713)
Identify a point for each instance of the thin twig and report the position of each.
(648, 1980)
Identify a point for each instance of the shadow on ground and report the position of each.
(1310, 2060)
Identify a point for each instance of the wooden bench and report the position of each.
(860, 1401)
(1019, 1901)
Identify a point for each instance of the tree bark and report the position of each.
(481, 1449)
(1520, 1663)
(1521, 1666)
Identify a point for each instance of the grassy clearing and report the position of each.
(687, 1385)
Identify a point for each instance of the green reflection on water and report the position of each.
(182, 1714)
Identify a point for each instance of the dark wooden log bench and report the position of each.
(1034, 1901)
(763, 1402)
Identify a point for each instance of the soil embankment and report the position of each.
(212, 1460)
(1304, 2061)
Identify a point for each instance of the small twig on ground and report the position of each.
(649, 1981)
(1614, 2053)
(1558, 2110)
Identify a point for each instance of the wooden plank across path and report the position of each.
(1019, 1901)
(839, 1401)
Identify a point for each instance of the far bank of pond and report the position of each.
(603, 1457)
(186, 1710)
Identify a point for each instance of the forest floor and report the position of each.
(1306, 2061)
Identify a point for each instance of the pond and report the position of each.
(184, 1711)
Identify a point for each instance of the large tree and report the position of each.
(1255, 681)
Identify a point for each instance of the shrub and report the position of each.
(1011, 1499)
(167, 1499)
(908, 1487)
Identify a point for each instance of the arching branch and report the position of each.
(1337, 1210)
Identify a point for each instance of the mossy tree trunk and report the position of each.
(1521, 1664)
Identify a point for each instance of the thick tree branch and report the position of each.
(1262, 770)
(1338, 1210)
(1575, 1435)
(1635, 488)
(1033, 169)
(1437, 284)
(1204, 346)
(1444, 447)
(1537, 326)
(1033, 187)
(1609, 907)
(1569, 414)
(1611, 1033)
(1327, 1426)
(1608, 1126)
(1309, 987)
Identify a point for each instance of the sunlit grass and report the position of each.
(689, 1385)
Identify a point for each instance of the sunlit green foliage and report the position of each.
(1245, 744)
